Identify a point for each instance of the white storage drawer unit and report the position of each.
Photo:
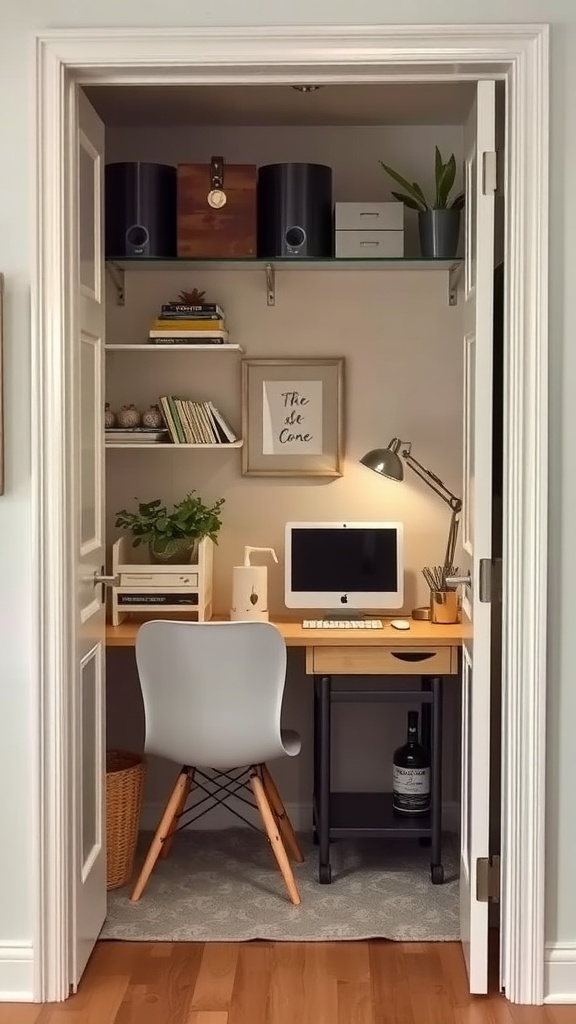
(369, 230)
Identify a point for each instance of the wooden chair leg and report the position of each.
(167, 844)
(163, 830)
(274, 837)
(284, 823)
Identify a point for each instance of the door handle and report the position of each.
(108, 581)
(454, 581)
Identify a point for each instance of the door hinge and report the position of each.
(489, 172)
(488, 879)
(485, 580)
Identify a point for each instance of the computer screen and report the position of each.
(344, 565)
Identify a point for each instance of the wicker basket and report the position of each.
(124, 785)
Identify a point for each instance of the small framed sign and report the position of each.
(292, 417)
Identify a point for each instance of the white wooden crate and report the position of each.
(192, 580)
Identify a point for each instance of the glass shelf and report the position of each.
(284, 262)
(118, 267)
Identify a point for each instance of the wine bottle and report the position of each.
(411, 773)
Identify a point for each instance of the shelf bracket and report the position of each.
(454, 275)
(270, 285)
(117, 278)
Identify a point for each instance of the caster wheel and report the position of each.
(437, 874)
(315, 839)
(325, 874)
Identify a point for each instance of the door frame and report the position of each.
(344, 54)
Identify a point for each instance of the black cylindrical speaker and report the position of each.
(295, 210)
(140, 203)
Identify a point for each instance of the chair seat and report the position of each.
(291, 742)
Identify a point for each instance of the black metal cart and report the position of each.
(370, 815)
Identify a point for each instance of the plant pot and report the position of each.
(439, 233)
(185, 552)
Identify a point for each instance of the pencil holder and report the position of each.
(444, 606)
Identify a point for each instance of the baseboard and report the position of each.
(560, 973)
(16, 973)
(300, 816)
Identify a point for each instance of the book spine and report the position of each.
(225, 426)
(190, 315)
(221, 436)
(175, 326)
(171, 338)
(182, 307)
(181, 410)
(211, 435)
(168, 417)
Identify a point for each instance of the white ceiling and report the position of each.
(391, 104)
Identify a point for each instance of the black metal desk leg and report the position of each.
(316, 760)
(436, 867)
(323, 824)
(426, 716)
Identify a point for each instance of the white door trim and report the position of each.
(518, 53)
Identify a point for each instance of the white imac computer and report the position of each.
(344, 567)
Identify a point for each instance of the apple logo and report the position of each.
(344, 599)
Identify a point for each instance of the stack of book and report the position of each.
(137, 435)
(192, 422)
(183, 324)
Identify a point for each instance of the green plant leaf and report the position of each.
(438, 171)
(412, 204)
(445, 183)
(458, 202)
(414, 194)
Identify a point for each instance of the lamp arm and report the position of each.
(452, 538)
(433, 481)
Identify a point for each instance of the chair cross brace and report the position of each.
(221, 795)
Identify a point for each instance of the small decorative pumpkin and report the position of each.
(128, 416)
(109, 417)
(153, 417)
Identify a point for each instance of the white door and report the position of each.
(479, 150)
(88, 908)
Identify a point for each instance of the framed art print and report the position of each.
(292, 417)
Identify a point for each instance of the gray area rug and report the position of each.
(224, 887)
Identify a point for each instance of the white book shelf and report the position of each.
(220, 349)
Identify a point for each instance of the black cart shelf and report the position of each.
(370, 815)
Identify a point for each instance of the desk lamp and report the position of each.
(387, 462)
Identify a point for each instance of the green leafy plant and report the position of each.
(166, 532)
(413, 196)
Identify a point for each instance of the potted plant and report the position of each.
(438, 221)
(172, 536)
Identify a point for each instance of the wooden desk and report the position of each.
(441, 640)
(427, 651)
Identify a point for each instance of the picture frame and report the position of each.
(292, 417)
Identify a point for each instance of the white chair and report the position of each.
(212, 698)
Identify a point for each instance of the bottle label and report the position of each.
(411, 789)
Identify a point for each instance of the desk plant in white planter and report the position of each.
(438, 221)
(172, 537)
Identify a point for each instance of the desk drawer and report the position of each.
(397, 661)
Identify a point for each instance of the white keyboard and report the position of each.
(342, 624)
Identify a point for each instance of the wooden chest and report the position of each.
(216, 210)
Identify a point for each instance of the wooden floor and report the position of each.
(372, 982)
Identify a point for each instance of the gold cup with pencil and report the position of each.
(444, 603)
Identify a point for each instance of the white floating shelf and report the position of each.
(172, 447)
(227, 347)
